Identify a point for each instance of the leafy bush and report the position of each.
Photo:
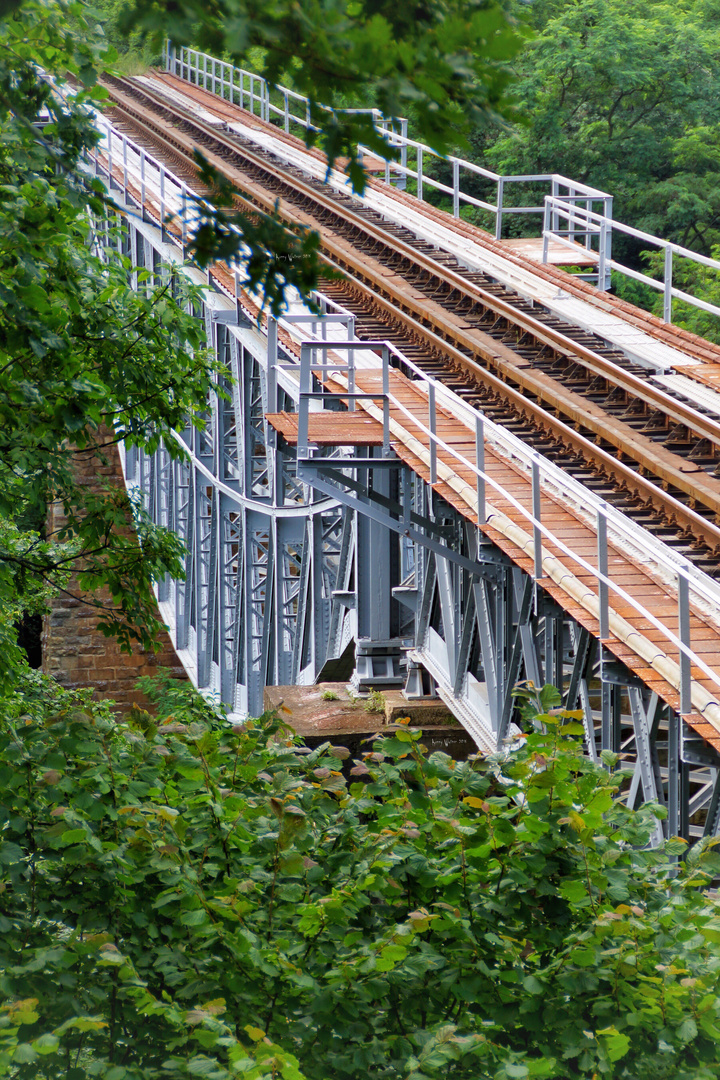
(185, 898)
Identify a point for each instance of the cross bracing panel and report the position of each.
(263, 551)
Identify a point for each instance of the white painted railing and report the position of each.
(564, 221)
(251, 91)
(679, 573)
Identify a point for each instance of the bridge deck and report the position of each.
(633, 638)
(642, 337)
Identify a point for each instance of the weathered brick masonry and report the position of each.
(74, 650)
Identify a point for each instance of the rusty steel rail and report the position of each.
(464, 346)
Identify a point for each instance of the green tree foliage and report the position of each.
(81, 353)
(624, 95)
(84, 359)
(183, 898)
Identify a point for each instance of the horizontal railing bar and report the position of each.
(579, 212)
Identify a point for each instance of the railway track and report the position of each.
(587, 407)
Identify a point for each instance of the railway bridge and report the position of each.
(465, 468)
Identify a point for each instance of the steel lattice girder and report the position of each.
(283, 572)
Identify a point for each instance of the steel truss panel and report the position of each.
(265, 554)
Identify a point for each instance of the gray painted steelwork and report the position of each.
(295, 559)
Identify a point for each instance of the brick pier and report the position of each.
(74, 651)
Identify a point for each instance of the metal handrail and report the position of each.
(228, 82)
(591, 223)
(685, 574)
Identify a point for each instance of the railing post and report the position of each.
(684, 635)
(232, 84)
(351, 379)
(304, 402)
(673, 758)
(499, 211)
(432, 425)
(419, 172)
(480, 466)
(537, 534)
(184, 210)
(272, 364)
(402, 181)
(162, 201)
(125, 167)
(204, 71)
(287, 112)
(603, 596)
(571, 205)
(667, 297)
(601, 283)
(456, 188)
(386, 401)
(546, 230)
(608, 214)
(109, 159)
(142, 185)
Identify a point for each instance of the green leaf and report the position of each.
(197, 917)
(10, 854)
(73, 836)
(24, 1054)
(46, 1044)
(687, 1031)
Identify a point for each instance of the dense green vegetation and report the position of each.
(83, 357)
(625, 95)
(182, 898)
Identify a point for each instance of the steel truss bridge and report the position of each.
(348, 511)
